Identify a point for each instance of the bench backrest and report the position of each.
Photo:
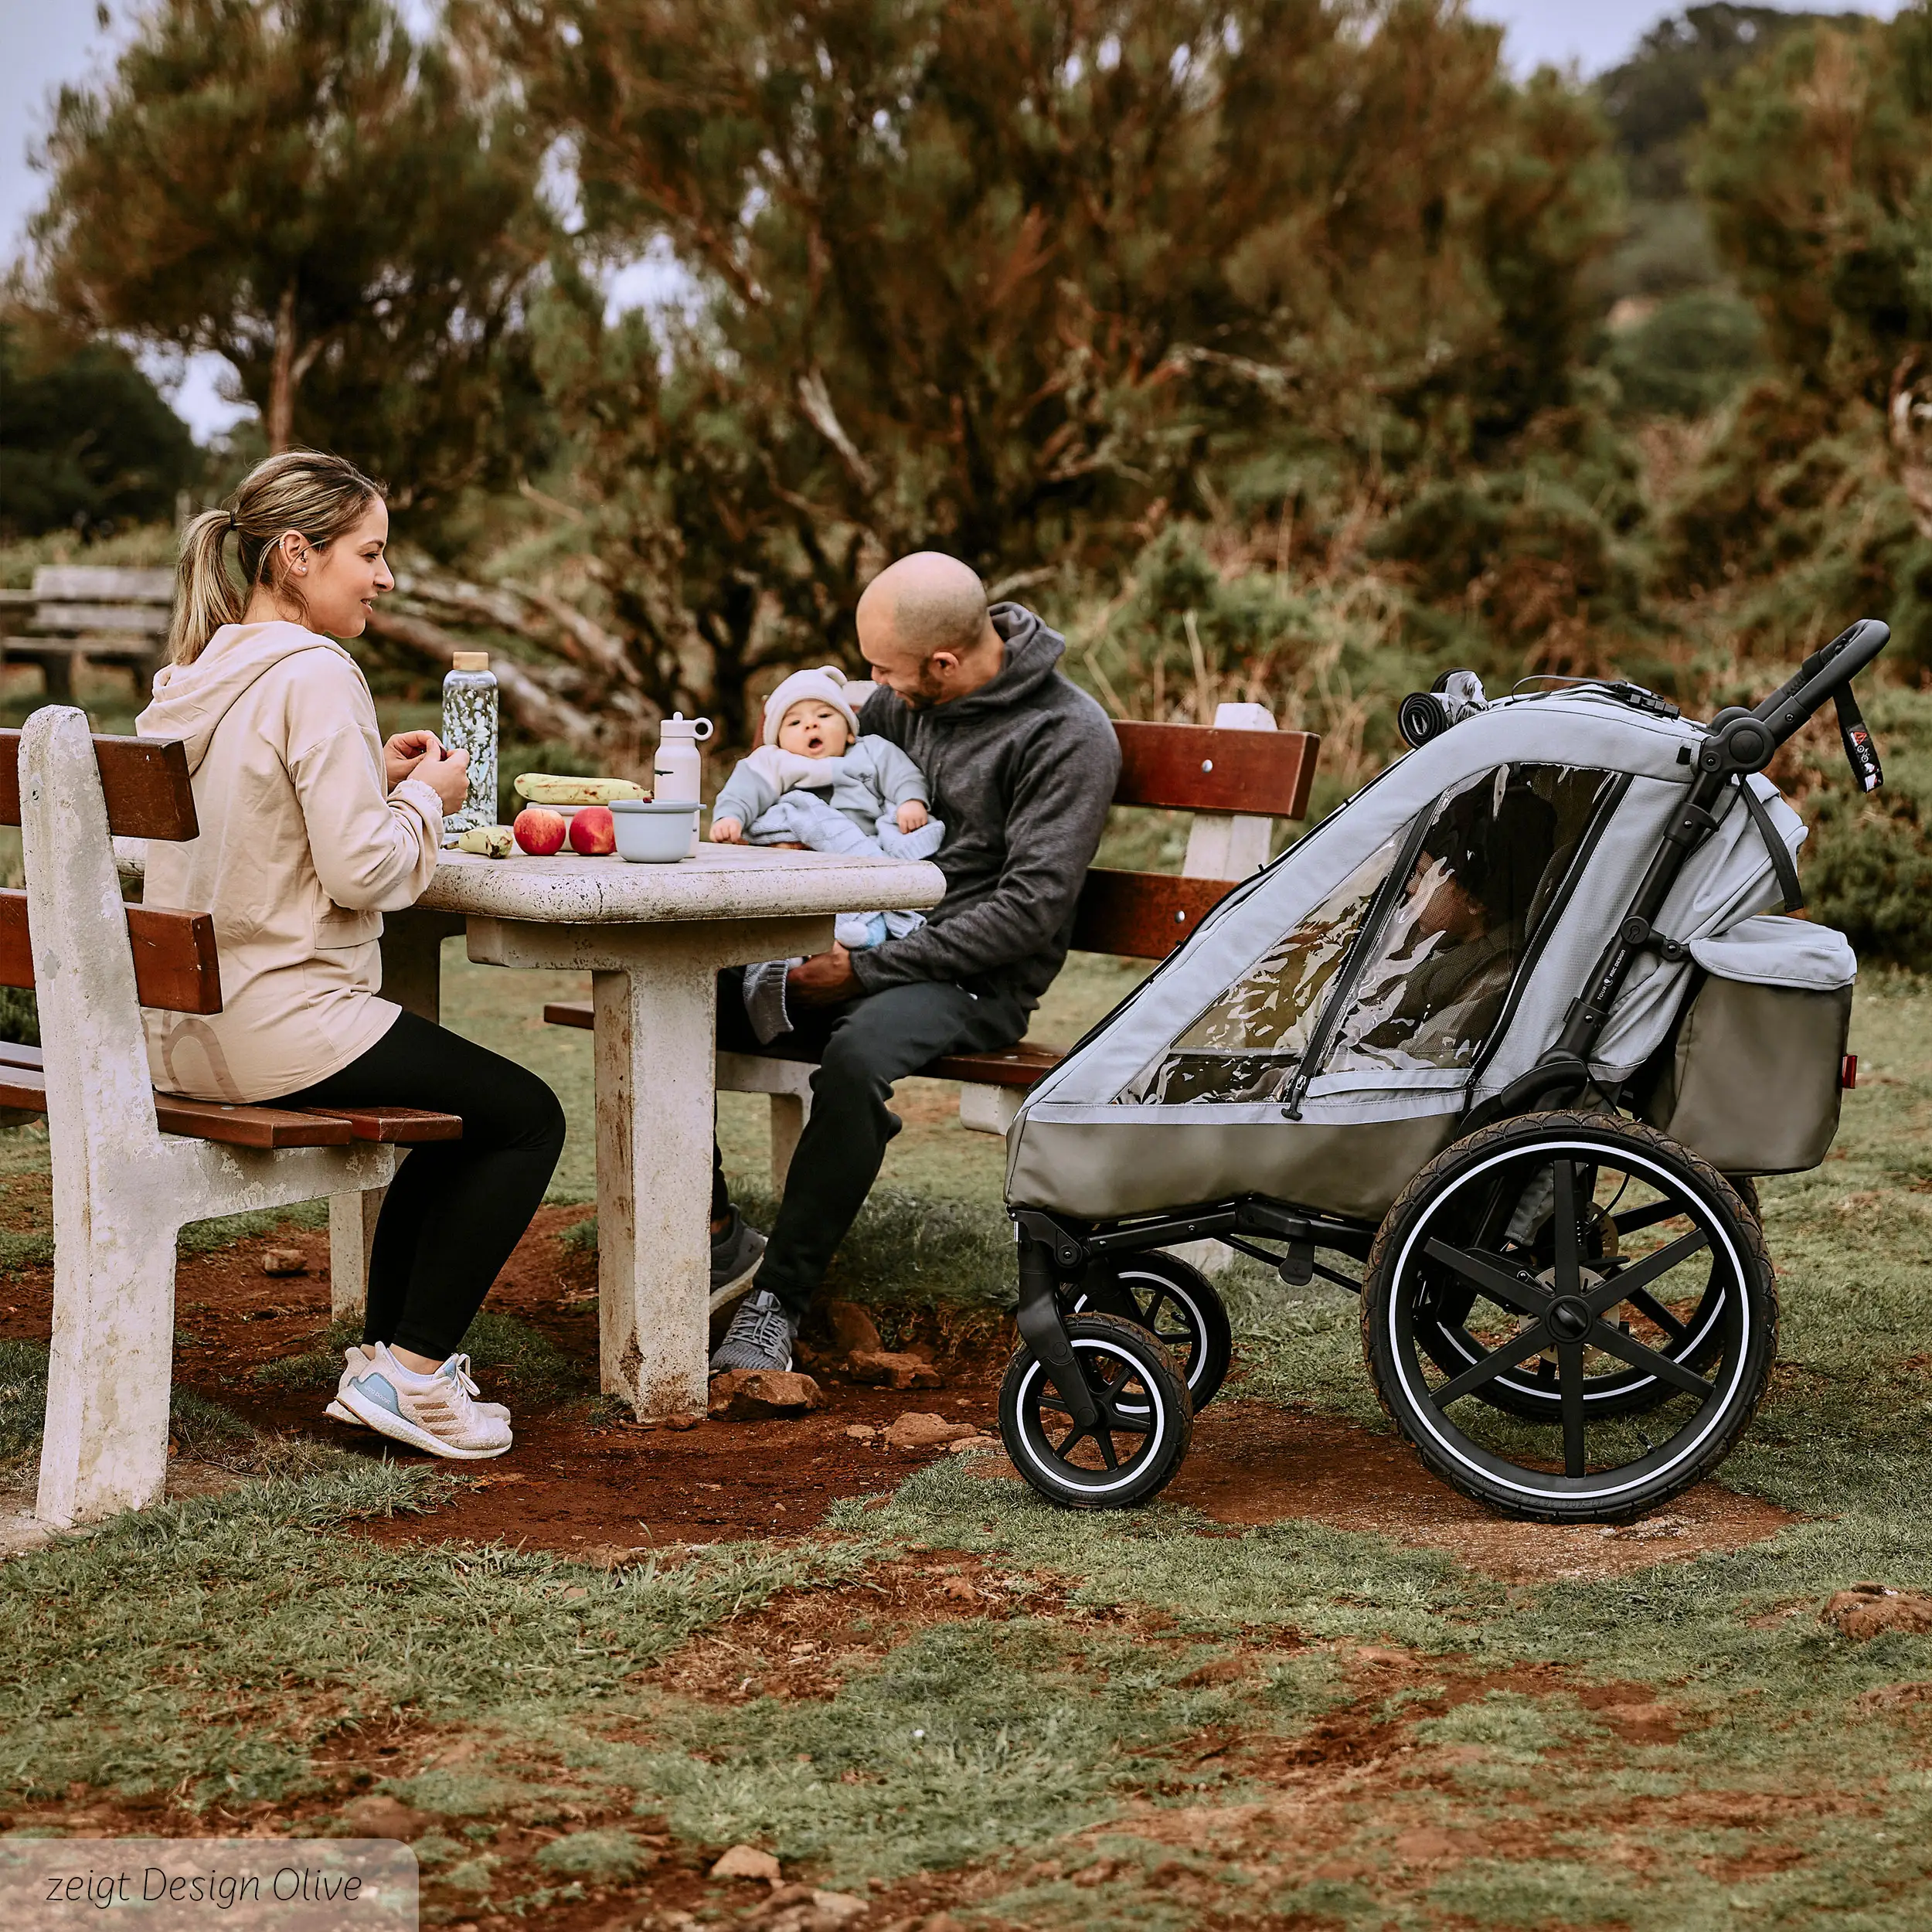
(1260, 774)
(82, 598)
(144, 785)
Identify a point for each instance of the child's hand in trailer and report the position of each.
(912, 814)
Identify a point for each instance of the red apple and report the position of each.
(593, 831)
(540, 832)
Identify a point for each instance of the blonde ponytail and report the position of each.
(307, 490)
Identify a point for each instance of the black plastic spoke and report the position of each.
(1647, 1304)
(1493, 1277)
(1640, 1274)
(1641, 1218)
(1128, 1422)
(1570, 1372)
(1067, 1446)
(1104, 1438)
(1563, 1226)
(1615, 1341)
(1525, 1343)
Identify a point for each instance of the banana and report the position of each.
(541, 789)
(487, 841)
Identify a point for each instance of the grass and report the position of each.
(1179, 1725)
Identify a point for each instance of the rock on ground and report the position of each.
(755, 1395)
(853, 1330)
(888, 1371)
(747, 1860)
(919, 1431)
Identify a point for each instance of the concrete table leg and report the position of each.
(412, 976)
(654, 1033)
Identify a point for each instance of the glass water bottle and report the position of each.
(469, 723)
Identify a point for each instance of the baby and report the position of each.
(813, 766)
(815, 782)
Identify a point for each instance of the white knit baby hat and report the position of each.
(826, 682)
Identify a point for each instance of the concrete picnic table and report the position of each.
(653, 938)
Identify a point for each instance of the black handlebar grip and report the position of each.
(1793, 705)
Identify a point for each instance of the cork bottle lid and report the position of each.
(470, 660)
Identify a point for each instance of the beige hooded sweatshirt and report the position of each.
(300, 855)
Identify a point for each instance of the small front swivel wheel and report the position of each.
(1140, 1438)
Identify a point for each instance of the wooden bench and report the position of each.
(1237, 776)
(83, 611)
(132, 1167)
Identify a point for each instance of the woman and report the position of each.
(311, 828)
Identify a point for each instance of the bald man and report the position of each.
(1021, 765)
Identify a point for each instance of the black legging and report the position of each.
(456, 1207)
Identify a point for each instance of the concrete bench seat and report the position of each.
(131, 1166)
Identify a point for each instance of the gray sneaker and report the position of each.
(760, 1337)
(734, 1253)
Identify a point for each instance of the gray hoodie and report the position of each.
(1022, 772)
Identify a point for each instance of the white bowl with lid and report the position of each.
(651, 833)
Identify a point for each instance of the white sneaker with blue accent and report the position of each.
(435, 1412)
(356, 1360)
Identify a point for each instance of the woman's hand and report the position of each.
(448, 777)
(405, 752)
(727, 832)
(912, 814)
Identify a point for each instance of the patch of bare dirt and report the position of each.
(802, 1643)
(580, 1477)
(1252, 1462)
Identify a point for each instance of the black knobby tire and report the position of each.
(1175, 1303)
(1533, 1394)
(1146, 1411)
(1580, 1449)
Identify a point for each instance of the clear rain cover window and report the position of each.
(1493, 859)
(1491, 863)
(1247, 1045)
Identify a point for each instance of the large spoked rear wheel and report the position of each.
(1175, 1303)
(1145, 1426)
(1570, 1317)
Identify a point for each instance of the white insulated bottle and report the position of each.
(677, 772)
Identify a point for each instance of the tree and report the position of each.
(349, 218)
(90, 444)
(1015, 277)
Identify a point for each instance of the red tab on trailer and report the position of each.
(1848, 1072)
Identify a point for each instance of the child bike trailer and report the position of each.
(1510, 1030)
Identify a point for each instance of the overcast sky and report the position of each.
(48, 41)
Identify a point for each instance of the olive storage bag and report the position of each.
(1751, 1076)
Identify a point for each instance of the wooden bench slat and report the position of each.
(1143, 915)
(268, 1127)
(398, 1126)
(145, 781)
(570, 1012)
(108, 620)
(102, 582)
(1263, 774)
(1021, 1066)
(177, 968)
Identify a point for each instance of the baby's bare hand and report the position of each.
(727, 832)
(912, 815)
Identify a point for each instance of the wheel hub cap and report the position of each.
(1569, 1318)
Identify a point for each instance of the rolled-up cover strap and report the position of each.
(1780, 854)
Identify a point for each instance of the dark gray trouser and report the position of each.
(861, 1048)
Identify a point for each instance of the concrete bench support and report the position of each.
(122, 1189)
